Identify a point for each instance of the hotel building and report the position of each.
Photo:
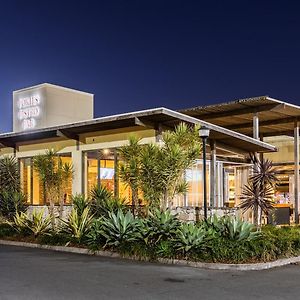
(47, 116)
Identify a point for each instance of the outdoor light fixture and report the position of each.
(204, 134)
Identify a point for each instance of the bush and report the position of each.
(12, 202)
(191, 238)
(77, 226)
(120, 230)
(159, 226)
(95, 240)
(80, 203)
(6, 230)
(103, 202)
(35, 224)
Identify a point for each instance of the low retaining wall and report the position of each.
(191, 213)
(212, 266)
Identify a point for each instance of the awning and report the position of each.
(151, 118)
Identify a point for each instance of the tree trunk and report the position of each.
(134, 200)
(51, 212)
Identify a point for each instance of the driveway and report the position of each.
(41, 274)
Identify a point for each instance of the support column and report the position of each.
(256, 126)
(213, 173)
(77, 178)
(296, 170)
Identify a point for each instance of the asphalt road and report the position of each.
(41, 274)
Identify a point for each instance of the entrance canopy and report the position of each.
(275, 117)
(226, 139)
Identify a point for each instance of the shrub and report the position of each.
(103, 202)
(35, 223)
(95, 240)
(12, 202)
(191, 238)
(232, 228)
(77, 226)
(80, 203)
(159, 226)
(6, 230)
(120, 229)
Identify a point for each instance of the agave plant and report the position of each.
(19, 222)
(77, 226)
(160, 225)
(119, 229)
(239, 230)
(190, 238)
(37, 223)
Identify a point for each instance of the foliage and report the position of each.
(80, 203)
(6, 230)
(20, 222)
(232, 228)
(191, 238)
(157, 170)
(119, 229)
(160, 225)
(9, 175)
(35, 223)
(11, 198)
(12, 202)
(129, 168)
(257, 195)
(95, 240)
(77, 226)
(54, 175)
(102, 202)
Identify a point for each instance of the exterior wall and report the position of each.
(48, 105)
(285, 146)
(95, 141)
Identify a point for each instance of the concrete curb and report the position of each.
(211, 266)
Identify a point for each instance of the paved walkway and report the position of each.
(41, 274)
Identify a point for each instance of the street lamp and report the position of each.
(204, 134)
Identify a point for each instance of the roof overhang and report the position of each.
(276, 117)
(151, 118)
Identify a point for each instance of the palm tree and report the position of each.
(258, 194)
(55, 176)
(157, 170)
(129, 168)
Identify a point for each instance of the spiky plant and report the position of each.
(258, 194)
(9, 174)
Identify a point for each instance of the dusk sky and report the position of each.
(143, 54)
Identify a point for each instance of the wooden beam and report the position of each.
(139, 122)
(7, 144)
(67, 134)
(240, 111)
(231, 149)
(265, 123)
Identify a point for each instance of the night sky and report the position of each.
(143, 54)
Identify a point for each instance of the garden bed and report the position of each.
(212, 266)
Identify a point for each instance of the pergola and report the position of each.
(258, 117)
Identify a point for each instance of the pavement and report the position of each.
(42, 274)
